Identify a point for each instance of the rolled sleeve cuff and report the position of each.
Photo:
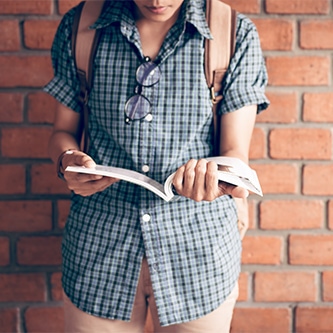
(235, 100)
(63, 93)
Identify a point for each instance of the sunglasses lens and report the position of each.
(148, 74)
(137, 107)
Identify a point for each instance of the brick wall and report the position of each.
(286, 283)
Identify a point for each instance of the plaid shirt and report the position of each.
(193, 248)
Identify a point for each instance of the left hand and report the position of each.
(197, 180)
(84, 184)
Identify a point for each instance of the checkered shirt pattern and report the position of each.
(193, 248)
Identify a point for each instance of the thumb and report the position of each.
(235, 191)
(239, 192)
(83, 159)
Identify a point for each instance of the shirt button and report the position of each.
(155, 267)
(145, 168)
(146, 217)
(149, 117)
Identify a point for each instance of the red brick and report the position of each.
(283, 108)
(275, 34)
(311, 250)
(317, 179)
(314, 319)
(45, 181)
(245, 6)
(277, 178)
(41, 108)
(25, 71)
(297, 6)
(56, 287)
(52, 322)
(4, 250)
(327, 286)
(26, 216)
(261, 320)
(25, 287)
(66, 5)
(316, 35)
(300, 143)
(243, 284)
(63, 211)
(10, 35)
(11, 107)
(285, 286)
(12, 180)
(263, 250)
(298, 71)
(39, 34)
(291, 214)
(317, 107)
(258, 144)
(26, 142)
(43, 7)
(9, 320)
(39, 250)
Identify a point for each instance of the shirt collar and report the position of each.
(193, 12)
(114, 12)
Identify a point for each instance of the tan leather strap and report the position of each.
(218, 51)
(84, 45)
(84, 51)
(221, 19)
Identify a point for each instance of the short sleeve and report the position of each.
(246, 78)
(64, 86)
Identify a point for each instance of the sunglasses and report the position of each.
(138, 106)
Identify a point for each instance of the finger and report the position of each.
(91, 187)
(199, 186)
(212, 189)
(102, 184)
(177, 180)
(80, 177)
(189, 177)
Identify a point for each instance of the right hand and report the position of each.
(197, 180)
(80, 183)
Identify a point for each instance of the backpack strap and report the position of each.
(221, 19)
(84, 46)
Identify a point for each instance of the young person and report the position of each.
(124, 248)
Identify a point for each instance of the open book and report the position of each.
(233, 171)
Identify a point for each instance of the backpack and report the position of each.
(218, 51)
